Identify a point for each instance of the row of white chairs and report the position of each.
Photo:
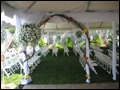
(11, 62)
(94, 47)
(83, 62)
(117, 56)
(33, 62)
(103, 61)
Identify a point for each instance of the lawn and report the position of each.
(61, 70)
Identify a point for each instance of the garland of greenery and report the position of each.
(79, 34)
(3, 35)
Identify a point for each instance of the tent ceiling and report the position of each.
(62, 6)
(83, 11)
(66, 25)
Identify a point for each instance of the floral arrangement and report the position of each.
(87, 75)
(79, 34)
(86, 58)
(3, 35)
(29, 33)
(27, 76)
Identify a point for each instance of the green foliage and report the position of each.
(11, 30)
(58, 46)
(111, 40)
(97, 40)
(68, 42)
(58, 40)
(82, 43)
(41, 43)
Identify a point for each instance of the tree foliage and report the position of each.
(11, 30)
(68, 42)
(58, 40)
(41, 43)
(97, 40)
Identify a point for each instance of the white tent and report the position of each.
(93, 14)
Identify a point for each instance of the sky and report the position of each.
(8, 19)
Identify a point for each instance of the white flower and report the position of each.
(29, 33)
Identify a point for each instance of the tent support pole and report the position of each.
(114, 52)
(87, 54)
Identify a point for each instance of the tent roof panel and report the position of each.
(73, 6)
(104, 5)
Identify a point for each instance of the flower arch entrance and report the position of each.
(83, 28)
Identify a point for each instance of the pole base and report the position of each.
(26, 81)
(88, 81)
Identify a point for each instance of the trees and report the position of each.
(41, 43)
(11, 30)
(97, 40)
(58, 40)
(68, 42)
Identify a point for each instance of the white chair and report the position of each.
(117, 56)
(81, 59)
(12, 50)
(14, 60)
(4, 69)
(83, 62)
(66, 50)
(44, 50)
(37, 51)
(75, 50)
(104, 61)
(94, 47)
(9, 67)
(21, 66)
(54, 50)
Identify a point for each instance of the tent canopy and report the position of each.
(99, 14)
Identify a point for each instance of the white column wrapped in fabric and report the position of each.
(26, 68)
(114, 52)
(87, 54)
(18, 24)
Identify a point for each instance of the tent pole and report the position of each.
(87, 54)
(114, 52)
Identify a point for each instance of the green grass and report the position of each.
(13, 79)
(62, 70)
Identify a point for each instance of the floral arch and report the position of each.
(85, 31)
